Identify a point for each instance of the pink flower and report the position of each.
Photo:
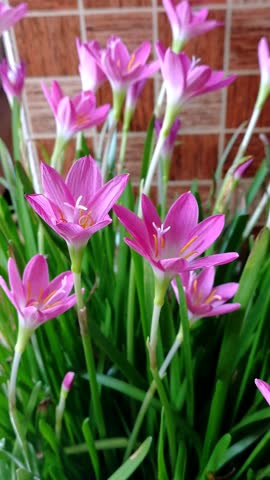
(75, 114)
(10, 16)
(173, 246)
(133, 94)
(185, 79)
(68, 381)
(91, 74)
(12, 79)
(122, 68)
(203, 299)
(35, 298)
(185, 24)
(77, 207)
(264, 389)
(242, 167)
(264, 61)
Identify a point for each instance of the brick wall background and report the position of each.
(46, 41)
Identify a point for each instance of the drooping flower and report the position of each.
(174, 245)
(203, 299)
(77, 207)
(242, 167)
(75, 114)
(122, 68)
(35, 298)
(264, 388)
(9, 16)
(91, 74)
(12, 80)
(185, 23)
(185, 79)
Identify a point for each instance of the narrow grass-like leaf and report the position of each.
(148, 147)
(262, 445)
(187, 352)
(133, 462)
(162, 470)
(181, 462)
(87, 432)
(257, 183)
(217, 456)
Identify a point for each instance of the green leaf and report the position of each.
(217, 456)
(162, 470)
(181, 462)
(87, 432)
(133, 462)
(187, 352)
(257, 183)
(22, 474)
(49, 435)
(262, 446)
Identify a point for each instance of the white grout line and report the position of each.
(224, 95)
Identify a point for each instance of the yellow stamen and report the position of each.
(184, 248)
(28, 292)
(86, 221)
(131, 61)
(213, 296)
(195, 285)
(51, 305)
(162, 242)
(62, 218)
(47, 299)
(81, 119)
(189, 254)
(156, 244)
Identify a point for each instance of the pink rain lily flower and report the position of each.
(203, 299)
(77, 207)
(35, 298)
(75, 114)
(9, 16)
(264, 388)
(91, 74)
(186, 24)
(174, 245)
(242, 167)
(185, 79)
(12, 80)
(122, 68)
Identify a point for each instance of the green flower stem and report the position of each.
(150, 394)
(24, 335)
(16, 128)
(154, 162)
(88, 353)
(160, 99)
(163, 183)
(104, 163)
(161, 285)
(257, 213)
(59, 412)
(168, 415)
(58, 153)
(126, 125)
(104, 444)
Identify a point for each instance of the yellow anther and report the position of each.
(62, 218)
(131, 61)
(185, 247)
(195, 285)
(213, 296)
(162, 242)
(86, 221)
(190, 254)
(47, 299)
(156, 244)
(52, 305)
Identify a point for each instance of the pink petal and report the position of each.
(54, 187)
(15, 282)
(107, 196)
(8, 293)
(207, 232)
(184, 12)
(78, 236)
(63, 283)
(57, 310)
(142, 53)
(205, 281)
(84, 178)
(227, 290)
(264, 389)
(171, 11)
(35, 277)
(263, 53)
(150, 217)
(174, 76)
(182, 217)
(223, 309)
(68, 380)
(134, 225)
(44, 208)
(213, 260)
(66, 118)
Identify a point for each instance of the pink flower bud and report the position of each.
(68, 381)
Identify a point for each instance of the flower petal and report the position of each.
(213, 260)
(35, 277)
(107, 196)
(15, 282)
(264, 388)
(54, 186)
(182, 217)
(84, 179)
